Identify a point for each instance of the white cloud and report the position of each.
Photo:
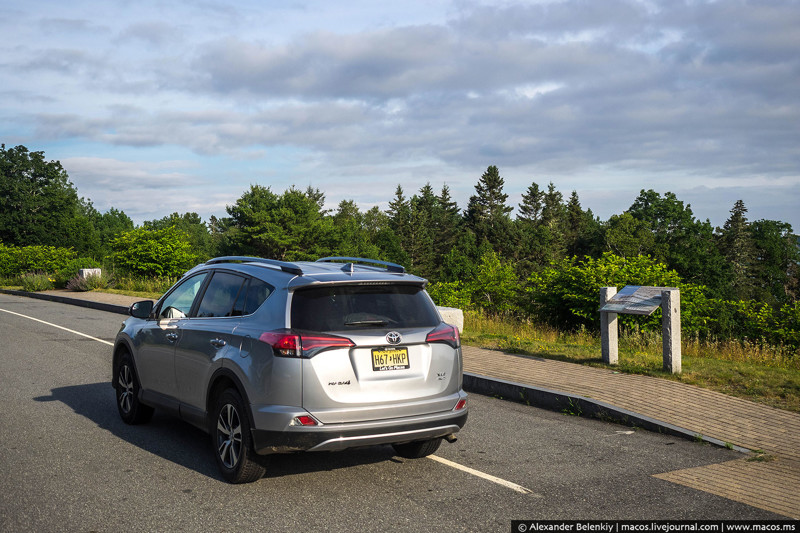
(621, 94)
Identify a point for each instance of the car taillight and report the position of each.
(444, 333)
(289, 343)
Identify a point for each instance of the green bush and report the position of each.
(37, 281)
(153, 252)
(566, 295)
(495, 287)
(450, 294)
(15, 261)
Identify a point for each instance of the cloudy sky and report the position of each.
(156, 107)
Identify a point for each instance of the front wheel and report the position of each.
(131, 410)
(417, 449)
(233, 444)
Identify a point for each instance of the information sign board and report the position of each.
(635, 300)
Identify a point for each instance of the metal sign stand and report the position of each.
(638, 300)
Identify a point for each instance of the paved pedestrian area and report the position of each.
(768, 480)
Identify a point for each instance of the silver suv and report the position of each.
(275, 357)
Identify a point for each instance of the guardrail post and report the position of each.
(671, 330)
(609, 335)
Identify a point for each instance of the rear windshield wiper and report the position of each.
(366, 323)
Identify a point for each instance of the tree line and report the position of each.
(424, 230)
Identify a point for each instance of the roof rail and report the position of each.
(391, 267)
(290, 268)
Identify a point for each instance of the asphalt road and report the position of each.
(68, 463)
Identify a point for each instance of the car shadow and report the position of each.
(185, 445)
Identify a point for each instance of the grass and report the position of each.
(762, 374)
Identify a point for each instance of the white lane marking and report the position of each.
(59, 327)
(493, 479)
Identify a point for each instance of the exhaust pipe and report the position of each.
(450, 438)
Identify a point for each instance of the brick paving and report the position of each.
(770, 484)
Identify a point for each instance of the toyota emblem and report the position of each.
(393, 337)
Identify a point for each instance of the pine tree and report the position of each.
(487, 214)
(400, 214)
(738, 248)
(531, 207)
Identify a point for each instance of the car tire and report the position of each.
(417, 449)
(126, 383)
(232, 441)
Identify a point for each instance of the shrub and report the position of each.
(566, 294)
(495, 287)
(153, 253)
(89, 283)
(450, 294)
(15, 261)
(36, 281)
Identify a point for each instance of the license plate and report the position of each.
(389, 359)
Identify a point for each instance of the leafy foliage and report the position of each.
(15, 261)
(156, 253)
(37, 281)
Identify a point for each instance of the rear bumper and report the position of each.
(330, 437)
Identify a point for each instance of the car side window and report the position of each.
(251, 297)
(178, 303)
(220, 295)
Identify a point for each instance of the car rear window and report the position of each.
(339, 308)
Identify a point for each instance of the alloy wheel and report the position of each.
(125, 389)
(229, 436)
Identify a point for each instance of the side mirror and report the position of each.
(141, 309)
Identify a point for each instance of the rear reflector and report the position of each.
(445, 333)
(462, 403)
(304, 421)
(288, 343)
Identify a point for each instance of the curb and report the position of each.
(570, 404)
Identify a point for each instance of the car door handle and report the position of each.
(218, 343)
(172, 336)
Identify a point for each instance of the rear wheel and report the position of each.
(126, 383)
(233, 444)
(417, 449)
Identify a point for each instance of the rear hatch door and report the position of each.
(390, 369)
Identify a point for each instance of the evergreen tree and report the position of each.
(736, 245)
(351, 236)
(400, 214)
(581, 230)
(487, 214)
(447, 220)
(289, 226)
(530, 209)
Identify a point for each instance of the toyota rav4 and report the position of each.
(275, 357)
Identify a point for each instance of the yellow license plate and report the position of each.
(389, 359)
